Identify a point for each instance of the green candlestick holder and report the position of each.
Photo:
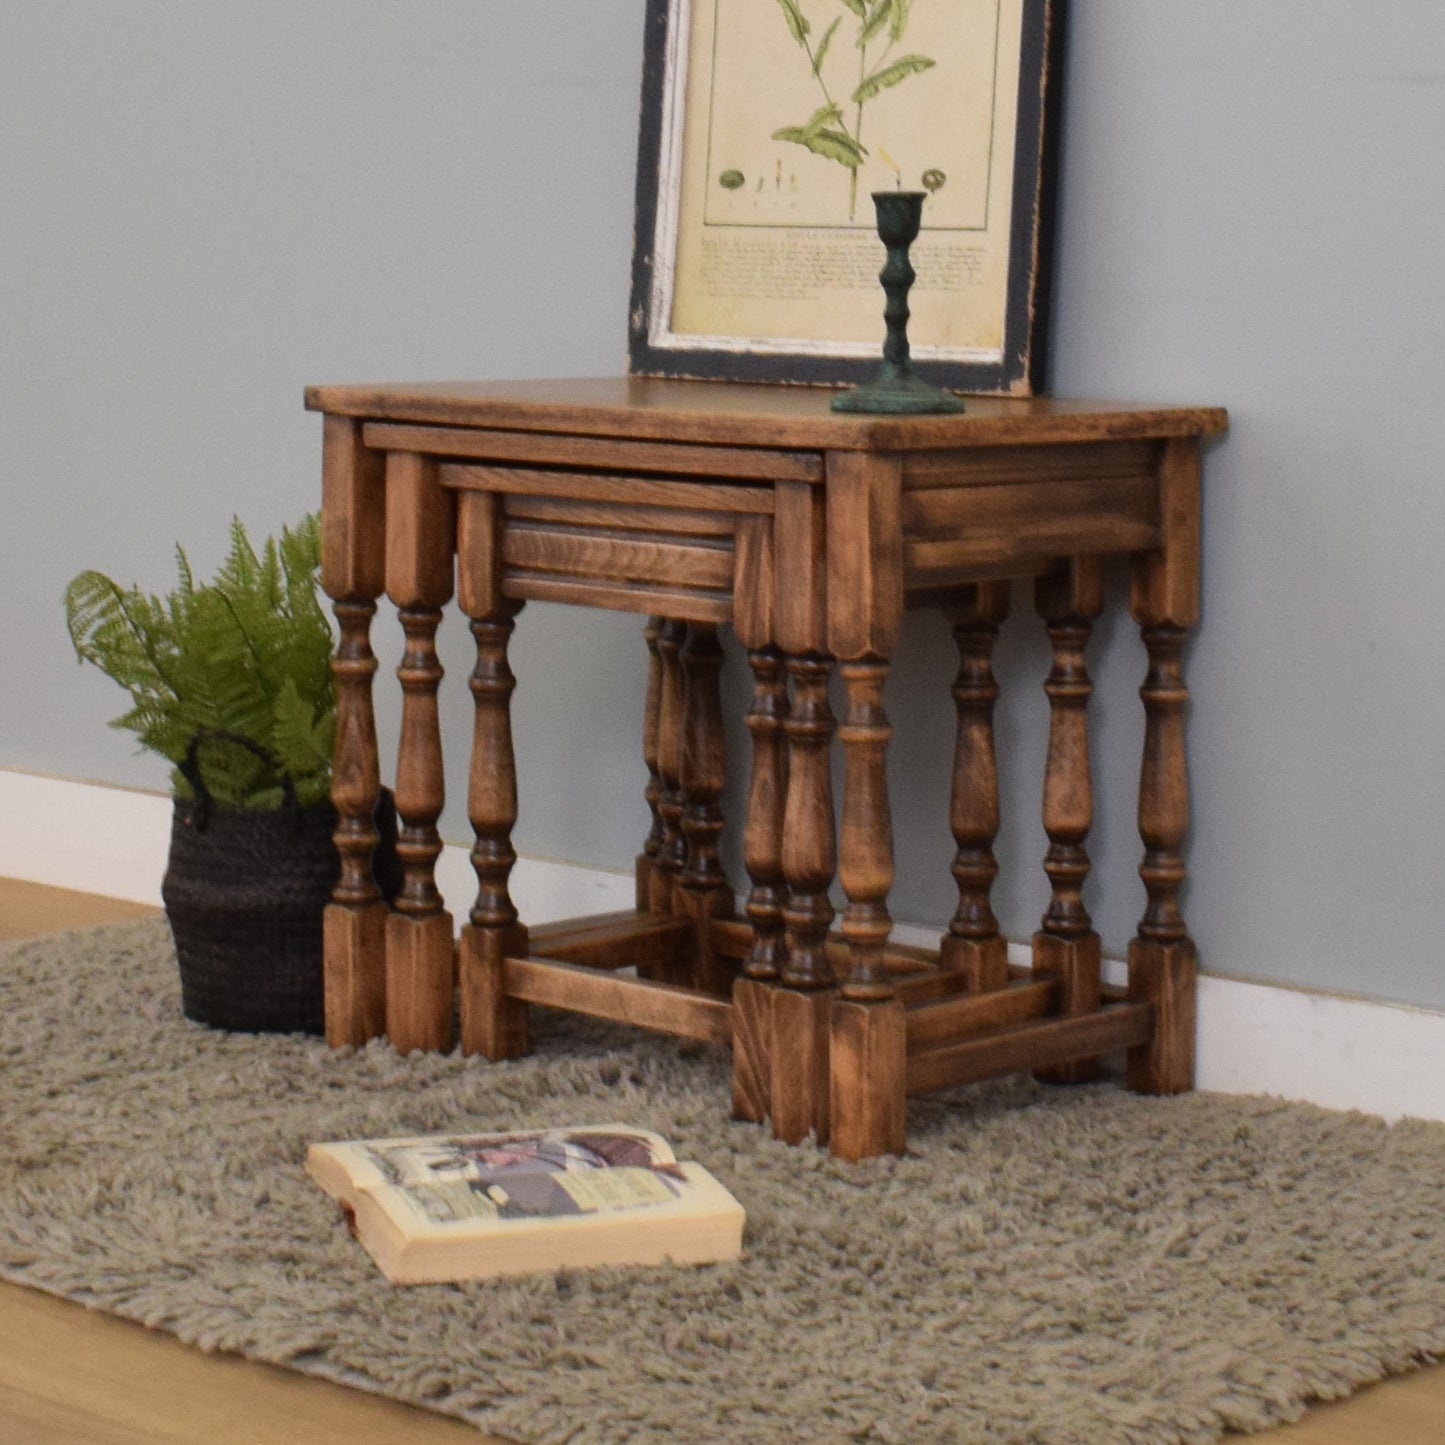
(896, 391)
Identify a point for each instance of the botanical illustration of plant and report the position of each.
(831, 131)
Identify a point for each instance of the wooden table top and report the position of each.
(737, 414)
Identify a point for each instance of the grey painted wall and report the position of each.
(205, 207)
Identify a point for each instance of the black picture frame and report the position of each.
(1019, 368)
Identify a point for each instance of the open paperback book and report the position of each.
(471, 1206)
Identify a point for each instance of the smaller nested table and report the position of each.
(702, 504)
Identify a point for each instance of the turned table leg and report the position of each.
(491, 1023)
(753, 994)
(810, 855)
(354, 925)
(1066, 947)
(810, 861)
(763, 835)
(1162, 962)
(703, 893)
(671, 855)
(799, 1003)
(866, 1098)
(420, 958)
(754, 598)
(866, 1108)
(652, 707)
(866, 866)
(353, 574)
(973, 944)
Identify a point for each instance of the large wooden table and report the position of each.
(808, 533)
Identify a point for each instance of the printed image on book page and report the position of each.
(792, 113)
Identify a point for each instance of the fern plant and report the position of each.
(249, 653)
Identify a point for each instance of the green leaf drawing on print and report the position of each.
(899, 71)
(797, 21)
(828, 132)
(833, 145)
(824, 115)
(822, 136)
(878, 17)
(824, 43)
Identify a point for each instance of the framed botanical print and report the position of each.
(766, 124)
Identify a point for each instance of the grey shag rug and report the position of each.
(1047, 1266)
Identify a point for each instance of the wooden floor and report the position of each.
(71, 1377)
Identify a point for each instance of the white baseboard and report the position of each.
(1343, 1053)
(69, 834)
(114, 841)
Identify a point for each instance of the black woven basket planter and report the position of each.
(244, 891)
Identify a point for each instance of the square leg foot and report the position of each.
(1075, 962)
(752, 1049)
(642, 882)
(1165, 975)
(420, 981)
(353, 949)
(798, 1055)
(709, 970)
(493, 1025)
(983, 961)
(867, 1102)
(661, 886)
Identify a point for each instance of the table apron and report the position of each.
(1002, 530)
(544, 449)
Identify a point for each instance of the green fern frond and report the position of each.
(239, 571)
(301, 552)
(302, 739)
(249, 653)
(186, 582)
(117, 631)
(269, 581)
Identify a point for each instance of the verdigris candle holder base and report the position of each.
(897, 396)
